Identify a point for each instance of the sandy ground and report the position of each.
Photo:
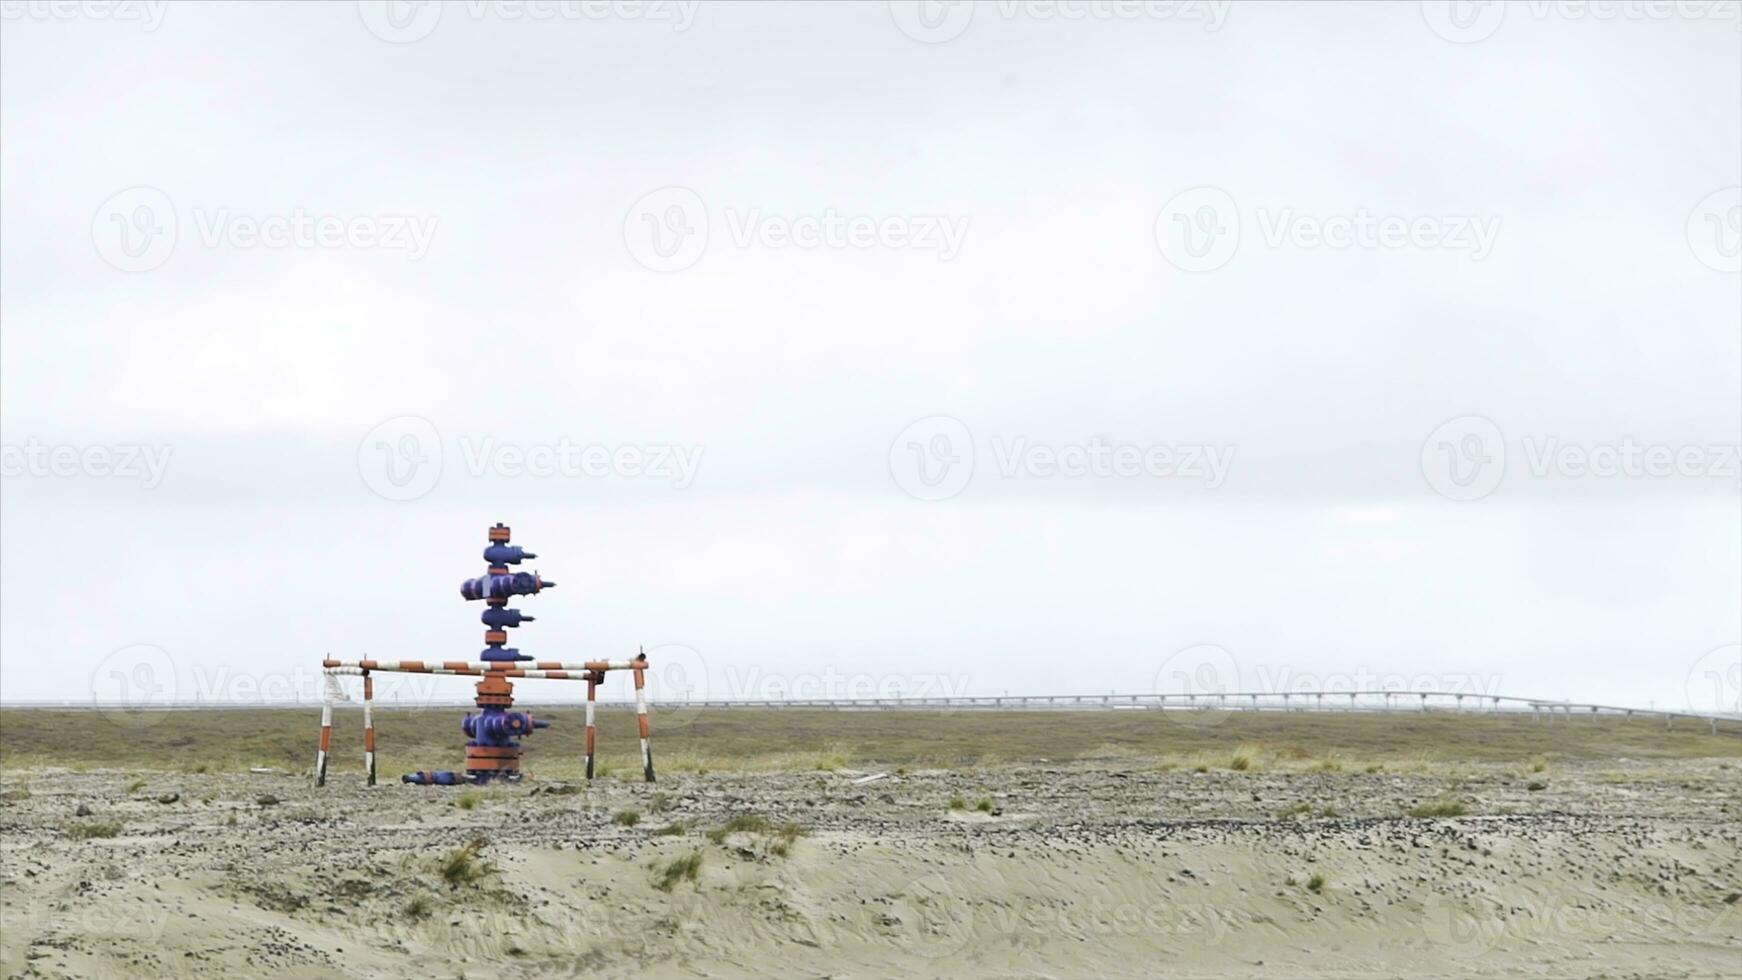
(1611, 869)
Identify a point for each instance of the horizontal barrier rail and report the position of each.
(456, 666)
(549, 675)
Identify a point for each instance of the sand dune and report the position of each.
(1612, 869)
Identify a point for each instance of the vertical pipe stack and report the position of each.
(493, 750)
(493, 747)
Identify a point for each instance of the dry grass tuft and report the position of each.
(686, 868)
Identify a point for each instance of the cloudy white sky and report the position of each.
(856, 348)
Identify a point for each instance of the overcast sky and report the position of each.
(871, 348)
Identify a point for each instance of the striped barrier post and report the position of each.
(326, 743)
(369, 726)
(591, 671)
(592, 689)
(641, 716)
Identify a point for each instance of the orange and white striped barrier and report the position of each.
(463, 666)
(591, 671)
(326, 744)
(369, 727)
